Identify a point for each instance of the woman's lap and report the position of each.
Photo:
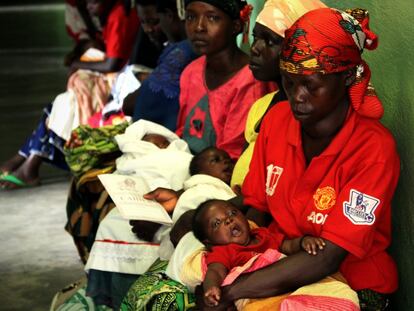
(45, 143)
(85, 209)
(108, 288)
(117, 249)
(155, 291)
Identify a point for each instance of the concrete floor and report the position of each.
(37, 257)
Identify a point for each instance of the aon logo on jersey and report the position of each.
(317, 218)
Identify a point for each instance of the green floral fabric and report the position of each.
(155, 291)
(90, 147)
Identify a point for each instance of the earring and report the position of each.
(359, 71)
(181, 9)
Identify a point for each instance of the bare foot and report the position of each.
(12, 164)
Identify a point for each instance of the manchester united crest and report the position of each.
(324, 198)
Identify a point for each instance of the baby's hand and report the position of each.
(212, 296)
(311, 244)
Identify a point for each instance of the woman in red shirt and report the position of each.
(324, 165)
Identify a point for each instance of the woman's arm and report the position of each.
(238, 202)
(128, 106)
(289, 247)
(287, 274)
(166, 197)
(183, 225)
(144, 230)
(261, 219)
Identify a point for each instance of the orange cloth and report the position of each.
(331, 293)
(91, 90)
(279, 15)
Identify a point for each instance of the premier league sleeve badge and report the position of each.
(360, 208)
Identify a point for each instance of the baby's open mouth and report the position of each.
(235, 231)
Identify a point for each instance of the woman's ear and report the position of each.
(350, 76)
(237, 26)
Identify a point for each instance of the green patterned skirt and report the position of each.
(155, 291)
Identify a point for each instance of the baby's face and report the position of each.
(225, 224)
(158, 140)
(217, 163)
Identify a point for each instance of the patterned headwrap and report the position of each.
(230, 7)
(279, 15)
(327, 41)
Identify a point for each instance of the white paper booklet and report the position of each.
(127, 193)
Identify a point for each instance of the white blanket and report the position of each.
(64, 116)
(116, 248)
(167, 168)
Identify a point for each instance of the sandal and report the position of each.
(16, 182)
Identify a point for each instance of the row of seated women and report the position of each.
(88, 90)
(305, 173)
(319, 172)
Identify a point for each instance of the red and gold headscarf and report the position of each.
(328, 41)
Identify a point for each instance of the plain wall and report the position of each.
(392, 66)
